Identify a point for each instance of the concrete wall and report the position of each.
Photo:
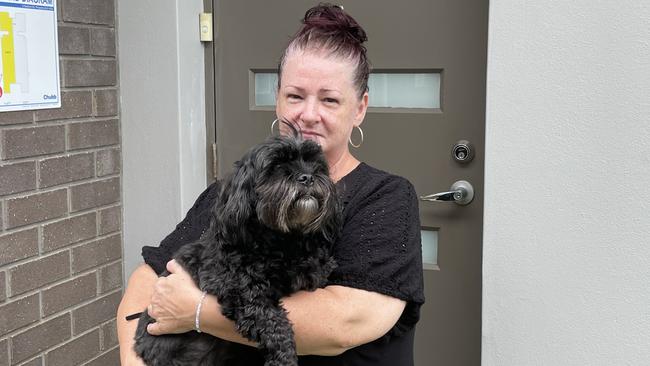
(567, 208)
(60, 239)
(163, 118)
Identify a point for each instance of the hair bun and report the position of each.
(332, 19)
(357, 32)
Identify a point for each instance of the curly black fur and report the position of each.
(275, 221)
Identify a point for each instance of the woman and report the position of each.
(367, 313)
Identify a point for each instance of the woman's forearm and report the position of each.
(334, 319)
(321, 321)
(310, 338)
(326, 322)
(136, 299)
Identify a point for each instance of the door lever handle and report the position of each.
(443, 196)
(461, 192)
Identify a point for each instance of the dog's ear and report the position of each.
(238, 195)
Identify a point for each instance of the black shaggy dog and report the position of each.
(273, 227)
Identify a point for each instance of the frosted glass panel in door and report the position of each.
(402, 90)
(429, 249)
(387, 90)
(265, 86)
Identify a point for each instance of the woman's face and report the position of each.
(317, 92)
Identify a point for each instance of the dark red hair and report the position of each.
(327, 27)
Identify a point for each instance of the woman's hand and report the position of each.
(173, 303)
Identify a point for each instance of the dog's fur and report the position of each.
(274, 223)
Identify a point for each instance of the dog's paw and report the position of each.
(281, 363)
(281, 359)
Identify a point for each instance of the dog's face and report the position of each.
(285, 183)
(293, 188)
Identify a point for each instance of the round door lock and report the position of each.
(463, 152)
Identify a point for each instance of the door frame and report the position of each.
(210, 101)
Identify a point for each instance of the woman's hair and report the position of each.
(328, 28)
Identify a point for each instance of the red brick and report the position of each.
(93, 134)
(35, 340)
(108, 162)
(106, 102)
(74, 104)
(69, 231)
(95, 194)
(110, 358)
(110, 277)
(95, 313)
(37, 273)
(10, 118)
(109, 335)
(88, 11)
(18, 245)
(96, 253)
(76, 351)
(16, 178)
(74, 40)
(69, 293)
(32, 141)
(3, 287)
(110, 220)
(37, 207)
(79, 73)
(19, 313)
(103, 42)
(66, 169)
(4, 352)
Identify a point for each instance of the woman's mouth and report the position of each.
(310, 135)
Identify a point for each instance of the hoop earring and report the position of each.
(273, 126)
(360, 142)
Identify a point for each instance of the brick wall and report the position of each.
(60, 205)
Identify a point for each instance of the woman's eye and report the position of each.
(294, 96)
(331, 100)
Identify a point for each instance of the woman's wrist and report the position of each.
(188, 320)
(211, 319)
(197, 314)
(213, 322)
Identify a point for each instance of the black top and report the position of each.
(379, 250)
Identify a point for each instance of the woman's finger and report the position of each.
(172, 266)
(155, 329)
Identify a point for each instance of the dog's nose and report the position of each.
(306, 179)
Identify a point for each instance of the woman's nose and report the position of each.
(310, 111)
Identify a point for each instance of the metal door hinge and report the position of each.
(205, 27)
(215, 165)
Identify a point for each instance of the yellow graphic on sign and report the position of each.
(8, 57)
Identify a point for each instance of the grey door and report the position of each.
(447, 38)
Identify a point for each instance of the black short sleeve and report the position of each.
(380, 248)
(196, 221)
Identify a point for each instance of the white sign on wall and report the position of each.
(29, 61)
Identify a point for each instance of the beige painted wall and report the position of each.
(567, 206)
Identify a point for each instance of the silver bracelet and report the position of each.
(198, 312)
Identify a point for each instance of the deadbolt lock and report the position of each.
(463, 152)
